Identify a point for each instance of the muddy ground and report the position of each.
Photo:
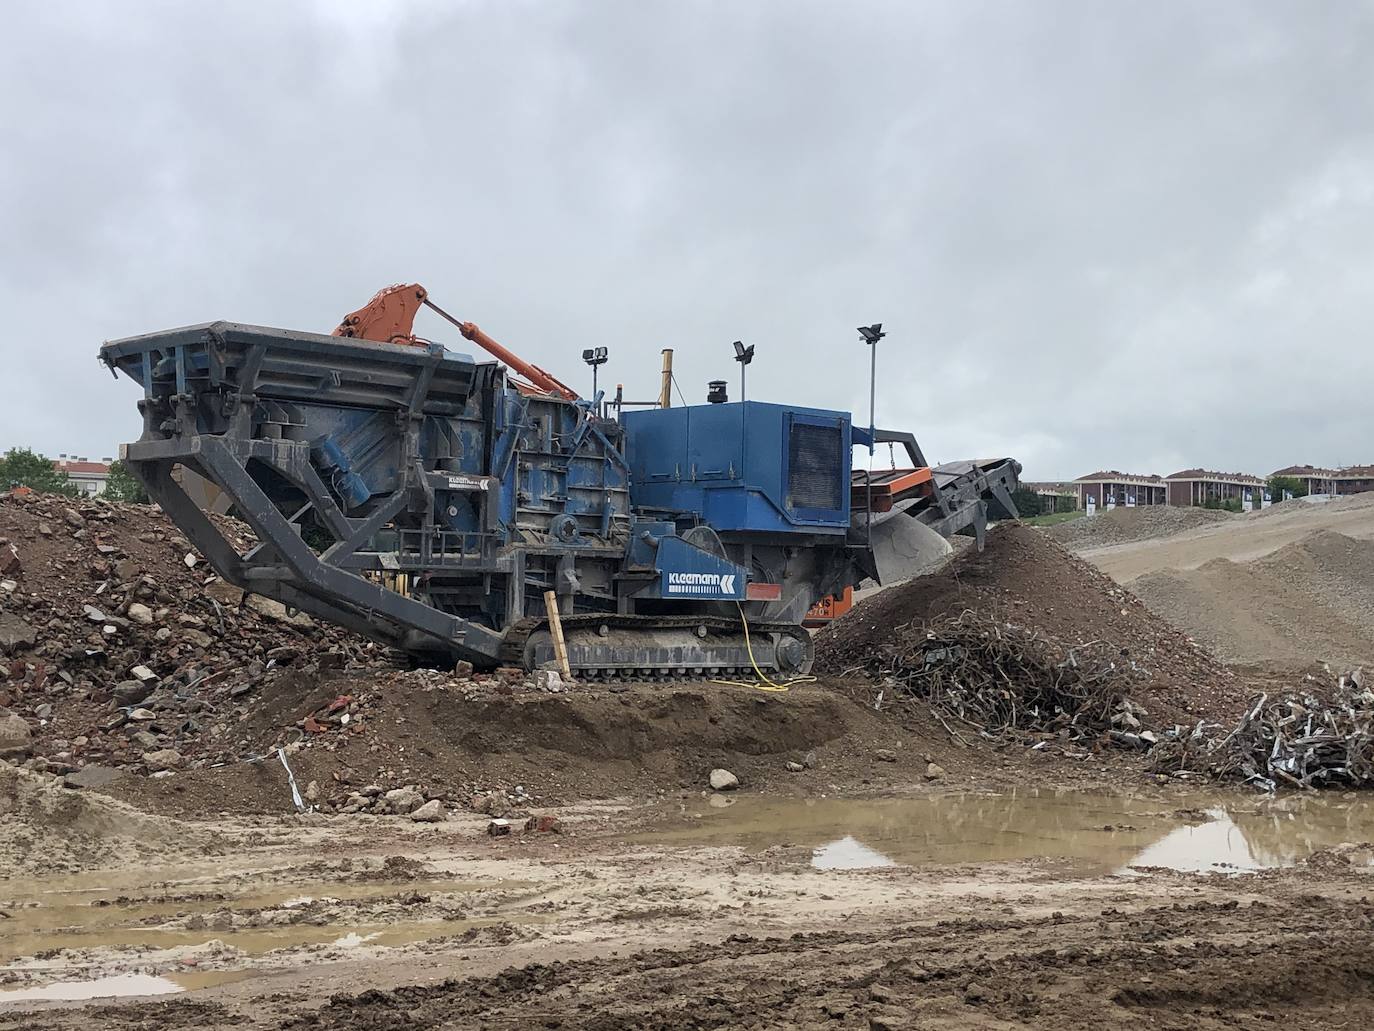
(686, 915)
(881, 864)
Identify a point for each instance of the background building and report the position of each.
(1353, 479)
(1196, 487)
(90, 477)
(1123, 488)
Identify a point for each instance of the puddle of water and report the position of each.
(100, 910)
(123, 986)
(1098, 833)
(68, 918)
(99, 988)
(344, 934)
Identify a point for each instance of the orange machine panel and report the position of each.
(829, 608)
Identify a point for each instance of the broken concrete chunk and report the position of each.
(162, 759)
(276, 611)
(403, 800)
(723, 780)
(15, 633)
(93, 777)
(131, 692)
(146, 740)
(16, 739)
(225, 593)
(431, 812)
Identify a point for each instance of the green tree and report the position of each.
(1278, 484)
(1028, 503)
(21, 467)
(122, 486)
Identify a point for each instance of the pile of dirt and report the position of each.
(1025, 580)
(1125, 525)
(1349, 503)
(46, 827)
(496, 745)
(117, 641)
(1310, 601)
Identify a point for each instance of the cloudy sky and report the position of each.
(1100, 234)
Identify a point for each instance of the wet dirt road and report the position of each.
(1040, 909)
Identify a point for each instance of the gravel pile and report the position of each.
(1126, 525)
(1310, 601)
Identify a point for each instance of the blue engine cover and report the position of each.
(747, 466)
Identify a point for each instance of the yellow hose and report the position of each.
(767, 684)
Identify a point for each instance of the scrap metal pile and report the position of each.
(1297, 740)
(999, 678)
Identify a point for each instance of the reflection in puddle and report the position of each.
(100, 988)
(1216, 845)
(1098, 833)
(848, 854)
(122, 986)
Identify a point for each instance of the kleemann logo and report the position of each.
(701, 583)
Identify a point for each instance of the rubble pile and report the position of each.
(1031, 606)
(1299, 739)
(1127, 525)
(119, 646)
(999, 678)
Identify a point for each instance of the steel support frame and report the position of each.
(286, 569)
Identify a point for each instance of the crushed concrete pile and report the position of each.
(1029, 584)
(1127, 525)
(1310, 601)
(119, 646)
(47, 827)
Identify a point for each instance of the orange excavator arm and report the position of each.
(389, 318)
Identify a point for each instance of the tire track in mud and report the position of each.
(1060, 971)
(1296, 959)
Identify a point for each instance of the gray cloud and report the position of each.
(1098, 234)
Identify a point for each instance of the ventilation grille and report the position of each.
(815, 470)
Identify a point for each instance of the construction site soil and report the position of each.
(1286, 588)
(497, 851)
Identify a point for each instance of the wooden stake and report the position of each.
(560, 649)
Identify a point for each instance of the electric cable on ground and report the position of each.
(767, 684)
